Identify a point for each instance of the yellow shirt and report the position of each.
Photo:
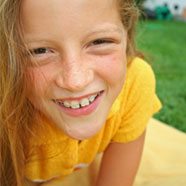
(52, 154)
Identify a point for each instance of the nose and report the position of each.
(75, 76)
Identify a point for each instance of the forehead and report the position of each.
(64, 6)
(71, 3)
(44, 11)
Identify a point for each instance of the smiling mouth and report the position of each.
(79, 103)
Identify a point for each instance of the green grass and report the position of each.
(164, 44)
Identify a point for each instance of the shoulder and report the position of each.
(138, 101)
(139, 85)
(139, 68)
(140, 77)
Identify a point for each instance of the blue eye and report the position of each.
(101, 41)
(39, 51)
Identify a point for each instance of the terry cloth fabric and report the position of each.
(52, 154)
(163, 161)
(164, 157)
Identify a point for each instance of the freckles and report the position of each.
(113, 64)
(41, 74)
(113, 58)
(37, 80)
(112, 68)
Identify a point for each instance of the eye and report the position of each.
(39, 51)
(101, 41)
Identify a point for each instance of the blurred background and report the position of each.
(161, 36)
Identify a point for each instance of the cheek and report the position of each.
(38, 81)
(112, 68)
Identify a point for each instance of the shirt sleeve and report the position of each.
(140, 102)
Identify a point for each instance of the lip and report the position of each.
(76, 98)
(84, 110)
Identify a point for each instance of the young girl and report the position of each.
(72, 87)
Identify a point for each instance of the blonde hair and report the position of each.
(16, 113)
(130, 13)
(14, 108)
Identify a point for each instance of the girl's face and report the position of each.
(79, 47)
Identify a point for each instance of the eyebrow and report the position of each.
(104, 30)
(33, 40)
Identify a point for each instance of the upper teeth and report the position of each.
(76, 104)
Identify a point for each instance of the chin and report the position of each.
(84, 132)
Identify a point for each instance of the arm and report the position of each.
(120, 163)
